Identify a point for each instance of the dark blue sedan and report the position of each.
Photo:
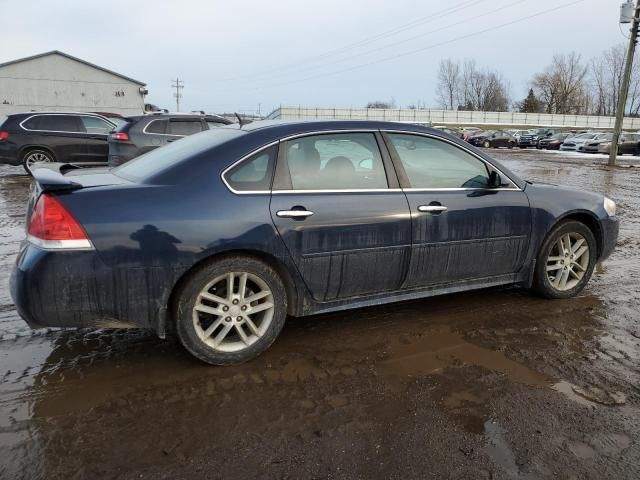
(221, 235)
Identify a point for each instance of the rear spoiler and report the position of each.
(50, 177)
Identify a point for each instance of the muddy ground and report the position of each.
(491, 384)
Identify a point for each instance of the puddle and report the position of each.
(568, 390)
(440, 349)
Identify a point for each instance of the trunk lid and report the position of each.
(53, 177)
(64, 177)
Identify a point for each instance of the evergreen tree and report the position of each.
(530, 104)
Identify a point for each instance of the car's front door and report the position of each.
(463, 229)
(96, 138)
(340, 212)
(63, 134)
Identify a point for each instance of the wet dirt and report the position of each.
(491, 384)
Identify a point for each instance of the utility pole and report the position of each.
(179, 85)
(625, 9)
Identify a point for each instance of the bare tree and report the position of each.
(448, 84)
(561, 87)
(382, 104)
(605, 78)
(482, 89)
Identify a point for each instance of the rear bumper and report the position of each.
(76, 289)
(9, 154)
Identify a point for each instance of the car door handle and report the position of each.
(300, 214)
(432, 208)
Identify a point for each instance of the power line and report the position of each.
(409, 39)
(428, 47)
(422, 20)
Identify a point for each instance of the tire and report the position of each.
(487, 144)
(36, 155)
(510, 146)
(212, 280)
(543, 283)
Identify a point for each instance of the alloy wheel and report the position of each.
(233, 311)
(36, 157)
(568, 261)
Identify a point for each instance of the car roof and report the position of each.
(187, 116)
(45, 112)
(301, 126)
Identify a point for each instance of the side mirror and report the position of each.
(494, 180)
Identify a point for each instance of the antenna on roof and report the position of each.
(239, 119)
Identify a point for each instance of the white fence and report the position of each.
(452, 117)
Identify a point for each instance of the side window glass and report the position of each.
(254, 173)
(431, 163)
(56, 123)
(32, 123)
(184, 127)
(156, 126)
(342, 161)
(96, 125)
(211, 124)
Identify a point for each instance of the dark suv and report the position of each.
(143, 133)
(80, 138)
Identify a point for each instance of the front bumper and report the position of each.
(610, 228)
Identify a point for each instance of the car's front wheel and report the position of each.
(31, 157)
(486, 144)
(231, 310)
(566, 261)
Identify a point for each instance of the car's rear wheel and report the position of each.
(33, 156)
(231, 310)
(511, 145)
(566, 261)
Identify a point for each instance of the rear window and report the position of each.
(156, 161)
(184, 127)
(156, 126)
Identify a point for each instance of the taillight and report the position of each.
(53, 227)
(3, 135)
(122, 137)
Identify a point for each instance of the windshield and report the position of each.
(155, 161)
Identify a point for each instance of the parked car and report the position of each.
(576, 143)
(518, 133)
(532, 137)
(451, 131)
(628, 143)
(221, 235)
(553, 142)
(469, 131)
(115, 118)
(143, 133)
(492, 139)
(29, 138)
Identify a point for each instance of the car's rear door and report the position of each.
(338, 209)
(462, 229)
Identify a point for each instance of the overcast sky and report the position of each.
(234, 55)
